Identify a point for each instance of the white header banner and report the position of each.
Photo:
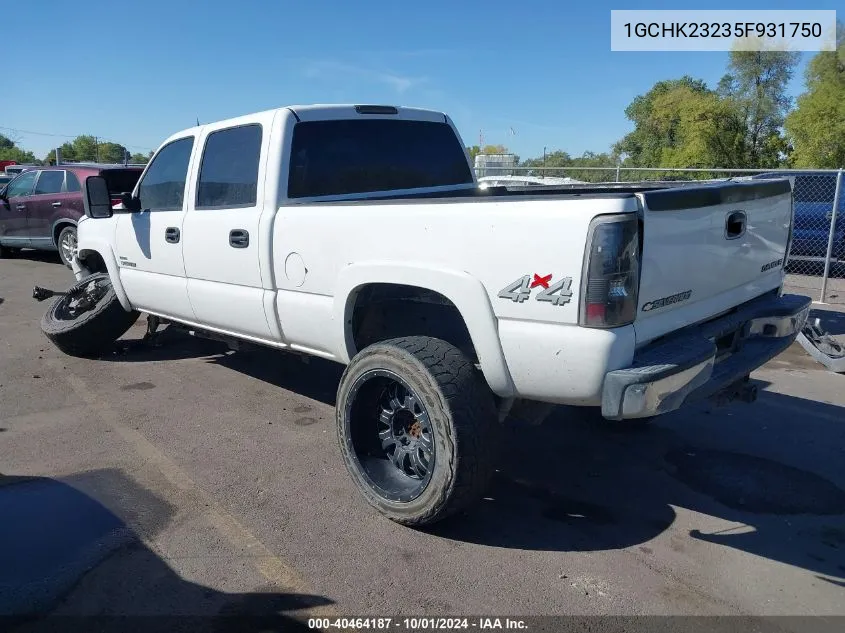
(709, 30)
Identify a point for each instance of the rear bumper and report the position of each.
(700, 361)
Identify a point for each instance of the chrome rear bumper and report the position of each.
(699, 361)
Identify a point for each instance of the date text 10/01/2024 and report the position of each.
(416, 624)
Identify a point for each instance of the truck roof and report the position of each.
(333, 111)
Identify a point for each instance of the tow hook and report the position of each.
(40, 294)
(742, 390)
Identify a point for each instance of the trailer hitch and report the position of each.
(40, 294)
(742, 390)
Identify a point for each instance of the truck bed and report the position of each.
(706, 193)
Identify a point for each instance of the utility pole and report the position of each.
(97, 149)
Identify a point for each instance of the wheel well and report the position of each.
(92, 261)
(58, 229)
(385, 311)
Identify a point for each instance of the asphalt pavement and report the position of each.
(185, 479)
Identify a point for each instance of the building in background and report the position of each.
(494, 164)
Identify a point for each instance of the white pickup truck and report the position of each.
(358, 234)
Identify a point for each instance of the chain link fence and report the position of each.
(816, 260)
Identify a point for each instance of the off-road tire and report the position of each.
(465, 427)
(95, 330)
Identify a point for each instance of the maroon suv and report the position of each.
(40, 207)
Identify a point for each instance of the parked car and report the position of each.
(359, 234)
(15, 169)
(40, 208)
(813, 194)
(5, 180)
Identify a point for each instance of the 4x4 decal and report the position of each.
(558, 293)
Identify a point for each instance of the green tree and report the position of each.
(561, 164)
(111, 152)
(645, 144)
(696, 129)
(473, 150)
(87, 148)
(756, 85)
(140, 158)
(816, 127)
(10, 151)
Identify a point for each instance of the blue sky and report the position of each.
(135, 72)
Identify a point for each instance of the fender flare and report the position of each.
(104, 250)
(465, 291)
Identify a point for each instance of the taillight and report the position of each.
(610, 280)
(115, 201)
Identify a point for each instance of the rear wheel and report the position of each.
(66, 243)
(417, 428)
(88, 319)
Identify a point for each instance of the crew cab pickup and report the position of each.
(359, 234)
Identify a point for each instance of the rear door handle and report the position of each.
(56, 204)
(20, 207)
(238, 238)
(171, 235)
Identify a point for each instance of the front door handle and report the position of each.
(171, 235)
(56, 204)
(20, 207)
(238, 238)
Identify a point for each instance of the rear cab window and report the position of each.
(352, 156)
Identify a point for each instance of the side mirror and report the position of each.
(129, 203)
(96, 198)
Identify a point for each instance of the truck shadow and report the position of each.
(575, 484)
(571, 485)
(74, 560)
(48, 257)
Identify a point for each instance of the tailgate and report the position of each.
(707, 249)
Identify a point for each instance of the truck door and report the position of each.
(149, 242)
(222, 241)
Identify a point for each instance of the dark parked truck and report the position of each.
(359, 234)
(814, 194)
(41, 207)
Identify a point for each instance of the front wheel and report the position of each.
(87, 319)
(67, 245)
(417, 428)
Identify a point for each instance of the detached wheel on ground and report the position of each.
(88, 319)
(66, 243)
(417, 428)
